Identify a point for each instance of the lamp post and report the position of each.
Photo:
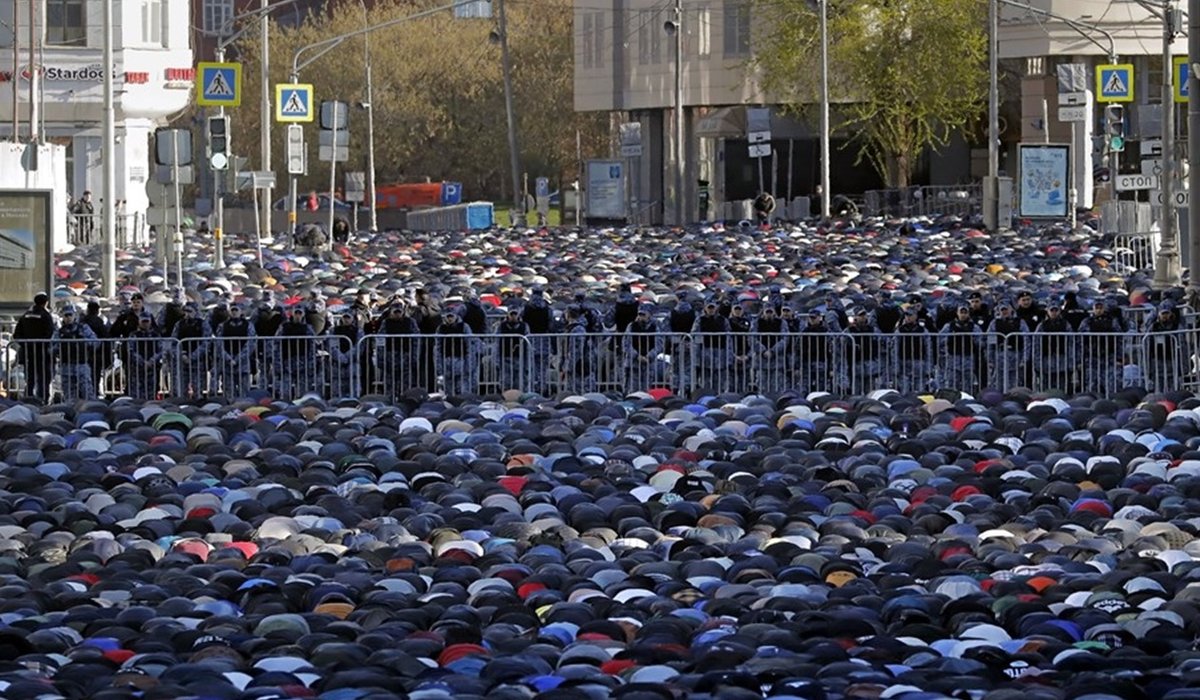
(674, 28)
(108, 262)
(825, 185)
(369, 105)
(514, 153)
(329, 44)
(1193, 122)
(1166, 266)
(264, 124)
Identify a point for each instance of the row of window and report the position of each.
(653, 44)
(66, 21)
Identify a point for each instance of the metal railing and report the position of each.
(87, 229)
(1135, 251)
(951, 200)
(392, 366)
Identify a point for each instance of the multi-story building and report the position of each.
(213, 20)
(625, 65)
(153, 75)
(1032, 46)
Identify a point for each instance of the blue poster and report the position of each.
(1045, 180)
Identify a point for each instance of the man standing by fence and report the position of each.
(37, 327)
(84, 212)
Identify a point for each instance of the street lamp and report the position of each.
(825, 185)
(674, 28)
(368, 105)
(500, 36)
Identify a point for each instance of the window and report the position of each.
(587, 40)
(152, 22)
(66, 23)
(592, 39)
(737, 28)
(649, 36)
(7, 10)
(217, 16)
(598, 41)
(703, 31)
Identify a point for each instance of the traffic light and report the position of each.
(218, 142)
(295, 149)
(1114, 119)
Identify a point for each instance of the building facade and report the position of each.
(1033, 45)
(625, 62)
(153, 81)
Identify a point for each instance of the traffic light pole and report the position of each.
(218, 198)
(1166, 265)
(1193, 122)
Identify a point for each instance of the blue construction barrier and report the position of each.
(474, 216)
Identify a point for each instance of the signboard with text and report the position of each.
(1045, 180)
(26, 240)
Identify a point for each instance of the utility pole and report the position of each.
(514, 155)
(991, 190)
(1193, 121)
(369, 105)
(34, 74)
(1166, 266)
(16, 84)
(264, 28)
(679, 145)
(108, 145)
(825, 184)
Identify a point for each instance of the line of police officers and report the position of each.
(718, 344)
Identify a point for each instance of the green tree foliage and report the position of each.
(438, 94)
(907, 74)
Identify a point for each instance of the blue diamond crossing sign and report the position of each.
(293, 103)
(1114, 82)
(1182, 71)
(219, 84)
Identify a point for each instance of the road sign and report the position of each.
(1072, 114)
(1126, 183)
(335, 115)
(356, 187)
(1181, 71)
(293, 103)
(329, 138)
(219, 84)
(760, 150)
(254, 179)
(1114, 82)
(1152, 167)
(325, 154)
(1151, 148)
(1181, 198)
(759, 137)
(631, 139)
(1073, 99)
(295, 149)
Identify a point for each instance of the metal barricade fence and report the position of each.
(78, 368)
(1136, 251)
(393, 365)
(87, 229)
(287, 366)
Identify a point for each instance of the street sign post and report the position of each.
(293, 103)
(1114, 82)
(1181, 198)
(219, 84)
(1072, 114)
(1128, 183)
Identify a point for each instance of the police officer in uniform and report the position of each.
(1007, 345)
(192, 335)
(538, 318)
(741, 348)
(643, 346)
(37, 327)
(865, 352)
(454, 352)
(771, 352)
(814, 356)
(144, 350)
(625, 310)
(73, 344)
(172, 313)
(510, 350)
(295, 355)
(236, 346)
(397, 351)
(711, 349)
(913, 352)
(343, 339)
(1165, 350)
(682, 320)
(960, 344)
(1102, 343)
(576, 370)
(1054, 351)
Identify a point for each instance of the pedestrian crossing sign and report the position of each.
(1114, 82)
(293, 103)
(219, 84)
(1183, 71)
